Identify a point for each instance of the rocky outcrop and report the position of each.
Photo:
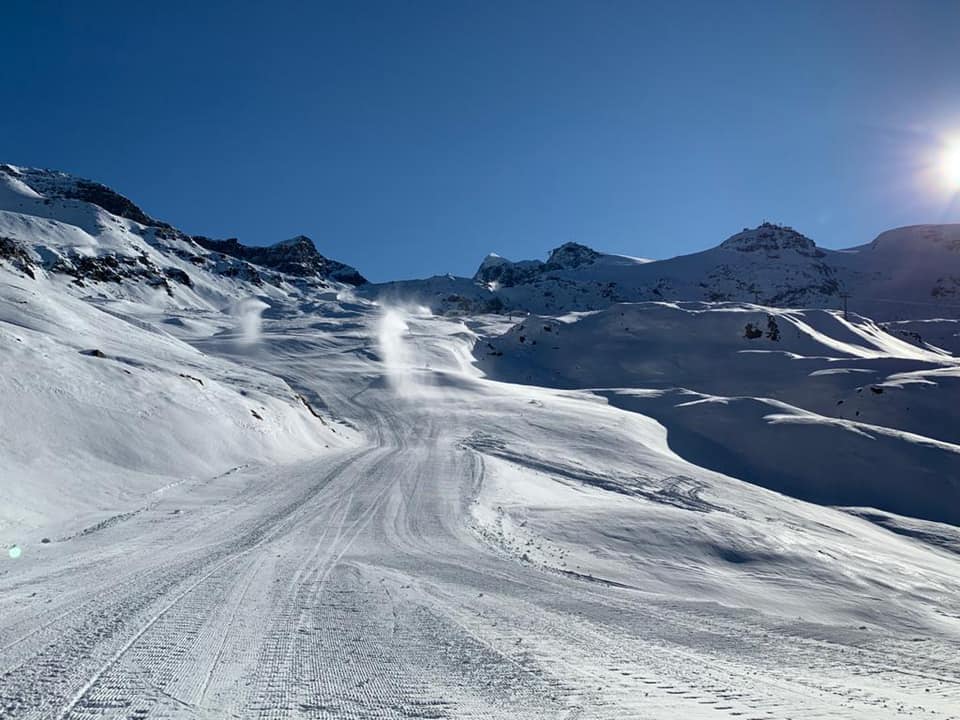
(120, 256)
(13, 253)
(118, 268)
(772, 239)
(570, 255)
(496, 271)
(55, 184)
(499, 272)
(297, 257)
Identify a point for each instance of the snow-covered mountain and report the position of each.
(907, 273)
(95, 235)
(234, 486)
(101, 312)
(82, 231)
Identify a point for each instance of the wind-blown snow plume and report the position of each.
(395, 350)
(249, 314)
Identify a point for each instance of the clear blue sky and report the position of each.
(411, 138)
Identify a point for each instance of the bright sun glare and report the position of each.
(951, 166)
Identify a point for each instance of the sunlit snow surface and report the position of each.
(473, 549)
(280, 502)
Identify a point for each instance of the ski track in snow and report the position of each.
(270, 497)
(347, 602)
(359, 585)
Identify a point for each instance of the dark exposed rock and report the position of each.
(772, 239)
(117, 269)
(198, 260)
(773, 330)
(309, 407)
(297, 257)
(105, 268)
(178, 275)
(56, 184)
(14, 253)
(495, 270)
(504, 273)
(570, 255)
(162, 283)
(94, 353)
(233, 268)
(109, 200)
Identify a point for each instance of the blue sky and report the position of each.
(411, 138)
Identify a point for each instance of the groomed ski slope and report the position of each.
(466, 548)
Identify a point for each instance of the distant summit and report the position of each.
(53, 184)
(571, 255)
(771, 238)
(500, 272)
(297, 256)
(101, 241)
(903, 274)
(496, 271)
(919, 237)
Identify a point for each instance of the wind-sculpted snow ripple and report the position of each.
(676, 490)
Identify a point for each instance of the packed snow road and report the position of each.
(367, 584)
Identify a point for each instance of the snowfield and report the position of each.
(294, 498)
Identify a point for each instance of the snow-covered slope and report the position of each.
(101, 411)
(759, 394)
(233, 487)
(102, 404)
(69, 229)
(907, 273)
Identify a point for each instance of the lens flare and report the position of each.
(951, 166)
(14, 552)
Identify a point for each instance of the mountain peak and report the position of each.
(500, 272)
(771, 238)
(571, 255)
(54, 184)
(297, 256)
(492, 263)
(297, 241)
(915, 237)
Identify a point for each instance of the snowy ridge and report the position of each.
(55, 223)
(57, 185)
(297, 256)
(907, 273)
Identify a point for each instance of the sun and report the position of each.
(951, 166)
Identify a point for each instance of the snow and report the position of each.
(907, 274)
(295, 499)
(67, 451)
(763, 409)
